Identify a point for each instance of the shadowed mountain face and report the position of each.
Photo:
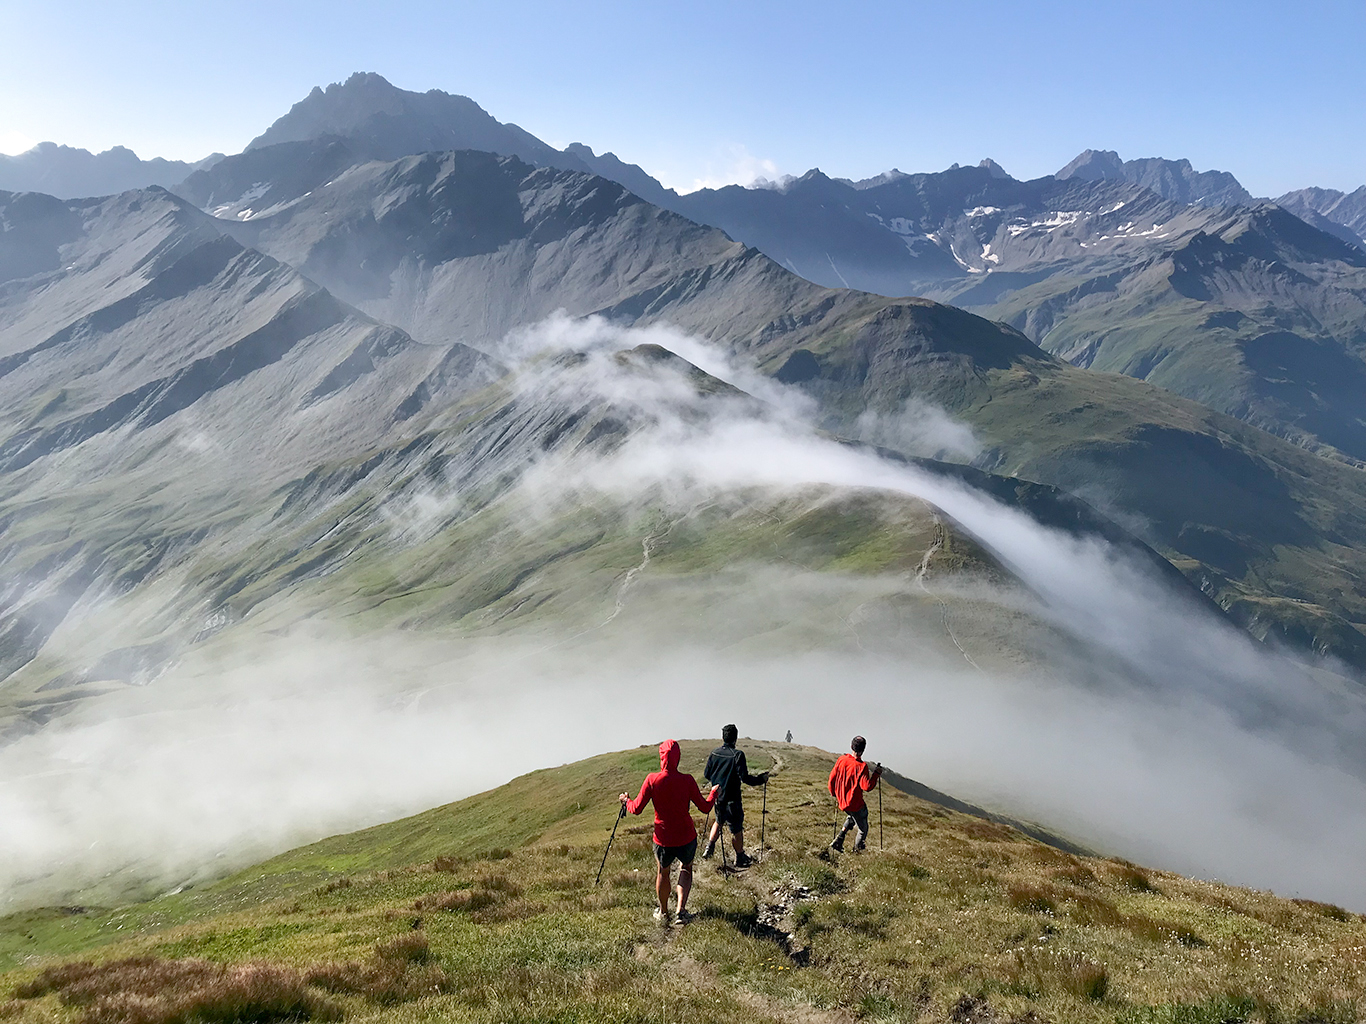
(66, 172)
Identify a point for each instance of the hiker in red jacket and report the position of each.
(675, 834)
(849, 780)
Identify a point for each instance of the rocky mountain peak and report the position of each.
(1176, 180)
(1093, 165)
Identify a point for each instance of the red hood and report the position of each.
(669, 755)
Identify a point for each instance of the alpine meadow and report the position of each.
(379, 502)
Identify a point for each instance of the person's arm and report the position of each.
(746, 777)
(702, 803)
(709, 772)
(869, 778)
(642, 798)
(831, 784)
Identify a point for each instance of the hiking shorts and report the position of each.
(684, 854)
(732, 815)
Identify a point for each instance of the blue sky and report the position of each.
(713, 92)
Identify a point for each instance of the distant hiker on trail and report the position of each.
(849, 780)
(726, 769)
(789, 736)
(675, 834)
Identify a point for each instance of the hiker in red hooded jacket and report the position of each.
(849, 780)
(675, 834)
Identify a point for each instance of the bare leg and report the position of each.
(684, 886)
(737, 840)
(662, 889)
(715, 830)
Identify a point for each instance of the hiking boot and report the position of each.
(743, 860)
(709, 850)
(862, 843)
(661, 917)
(683, 917)
(838, 845)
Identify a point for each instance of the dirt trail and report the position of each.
(702, 978)
(647, 546)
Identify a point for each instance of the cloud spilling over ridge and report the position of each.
(1175, 740)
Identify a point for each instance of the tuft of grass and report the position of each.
(386, 982)
(1131, 877)
(1076, 874)
(845, 915)
(1034, 973)
(1032, 899)
(411, 947)
(1218, 1009)
(150, 990)
(1329, 910)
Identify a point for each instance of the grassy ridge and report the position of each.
(485, 910)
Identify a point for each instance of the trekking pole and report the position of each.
(605, 852)
(763, 821)
(721, 839)
(880, 846)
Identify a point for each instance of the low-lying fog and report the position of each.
(1177, 741)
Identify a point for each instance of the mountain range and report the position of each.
(1242, 311)
(223, 395)
(68, 172)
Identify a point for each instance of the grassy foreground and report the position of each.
(485, 910)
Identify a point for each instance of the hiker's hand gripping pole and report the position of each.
(621, 814)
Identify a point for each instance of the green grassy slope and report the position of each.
(485, 910)
(361, 559)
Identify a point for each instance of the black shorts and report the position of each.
(684, 854)
(732, 815)
(857, 819)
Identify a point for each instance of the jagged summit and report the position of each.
(1093, 164)
(634, 177)
(394, 122)
(1176, 180)
(993, 168)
